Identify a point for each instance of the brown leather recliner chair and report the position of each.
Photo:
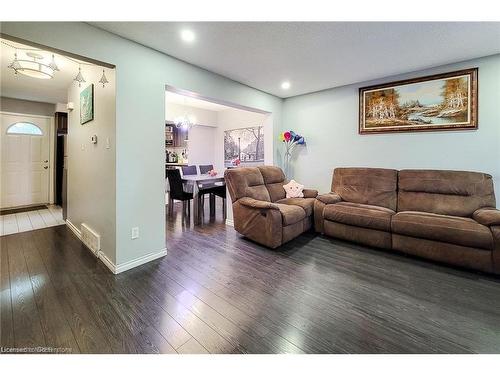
(447, 216)
(261, 210)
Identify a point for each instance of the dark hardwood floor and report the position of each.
(218, 293)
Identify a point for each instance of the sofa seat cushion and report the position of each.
(290, 214)
(307, 204)
(361, 215)
(444, 228)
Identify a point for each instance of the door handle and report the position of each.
(45, 167)
(45, 161)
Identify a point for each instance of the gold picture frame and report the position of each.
(438, 102)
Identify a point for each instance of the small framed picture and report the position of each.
(87, 104)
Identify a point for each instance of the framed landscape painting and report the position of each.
(87, 104)
(439, 102)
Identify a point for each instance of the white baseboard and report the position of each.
(107, 262)
(120, 267)
(230, 222)
(139, 261)
(132, 263)
(74, 229)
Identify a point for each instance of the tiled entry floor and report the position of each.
(25, 221)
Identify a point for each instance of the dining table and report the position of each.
(196, 181)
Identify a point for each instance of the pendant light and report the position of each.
(53, 64)
(183, 122)
(103, 79)
(79, 77)
(15, 64)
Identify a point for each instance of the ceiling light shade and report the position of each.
(183, 122)
(32, 68)
(285, 85)
(79, 77)
(103, 79)
(188, 36)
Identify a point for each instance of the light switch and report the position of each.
(108, 143)
(83, 147)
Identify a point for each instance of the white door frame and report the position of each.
(52, 146)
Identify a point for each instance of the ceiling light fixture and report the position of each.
(188, 36)
(186, 121)
(103, 79)
(36, 68)
(183, 122)
(53, 64)
(15, 64)
(32, 68)
(79, 77)
(285, 85)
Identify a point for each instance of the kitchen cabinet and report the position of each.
(61, 120)
(180, 137)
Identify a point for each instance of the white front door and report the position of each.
(24, 142)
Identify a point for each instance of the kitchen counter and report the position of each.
(176, 164)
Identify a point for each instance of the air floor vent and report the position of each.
(91, 239)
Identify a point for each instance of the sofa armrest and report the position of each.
(488, 216)
(310, 193)
(319, 205)
(329, 198)
(260, 221)
(255, 203)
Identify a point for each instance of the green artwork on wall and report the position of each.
(87, 104)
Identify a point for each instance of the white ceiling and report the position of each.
(18, 86)
(314, 56)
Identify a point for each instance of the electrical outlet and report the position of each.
(135, 233)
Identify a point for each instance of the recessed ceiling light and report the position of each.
(188, 36)
(285, 85)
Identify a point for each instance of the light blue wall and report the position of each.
(329, 122)
(141, 75)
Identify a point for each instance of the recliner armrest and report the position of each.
(329, 198)
(488, 216)
(310, 193)
(255, 203)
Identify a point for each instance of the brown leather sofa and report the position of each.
(446, 216)
(260, 210)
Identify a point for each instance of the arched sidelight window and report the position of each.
(24, 128)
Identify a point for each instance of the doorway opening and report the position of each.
(203, 138)
(35, 107)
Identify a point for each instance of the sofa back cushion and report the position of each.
(274, 179)
(373, 186)
(246, 182)
(453, 193)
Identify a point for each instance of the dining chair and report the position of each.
(188, 170)
(219, 191)
(177, 191)
(204, 169)
(209, 188)
(203, 189)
